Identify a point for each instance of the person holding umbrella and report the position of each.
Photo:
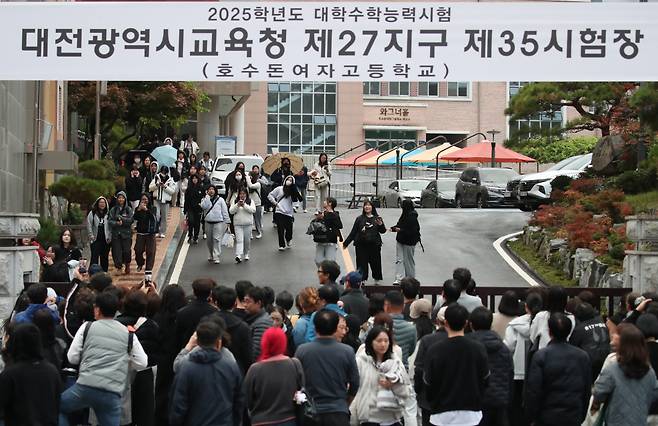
(163, 188)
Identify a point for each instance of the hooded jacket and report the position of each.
(591, 335)
(134, 186)
(501, 368)
(162, 193)
(93, 221)
(207, 391)
(124, 213)
(517, 339)
(284, 205)
(409, 233)
(215, 210)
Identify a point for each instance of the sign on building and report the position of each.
(225, 145)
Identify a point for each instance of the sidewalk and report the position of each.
(134, 278)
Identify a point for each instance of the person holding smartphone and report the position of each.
(368, 242)
(242, 209)
(145, 218)
(216, 219)
(120, 219)
(408, 235)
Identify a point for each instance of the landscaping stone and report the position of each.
(566, 260)
(641, 271)
(612, 280)
(593, 274)
(582, 259)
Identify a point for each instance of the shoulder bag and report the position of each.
(305, 408)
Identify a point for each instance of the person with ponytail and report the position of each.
(283, 198)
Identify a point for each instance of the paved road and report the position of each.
(452, 238)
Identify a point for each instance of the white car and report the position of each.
(225, 164)
(404, 189)
(535, 189)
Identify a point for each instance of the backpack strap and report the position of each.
(131, 335)
(84, 335)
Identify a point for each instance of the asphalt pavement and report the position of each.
(452, 238)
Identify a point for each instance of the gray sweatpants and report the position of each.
(163, 212)
(405, 265)
(215, 232)
(258, 219)
(242, 239)
(325, 251)
(321, 194)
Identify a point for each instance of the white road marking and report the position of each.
(180, 261)
(507, 258)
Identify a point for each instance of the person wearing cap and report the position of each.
(420, 315)
(354, 301)
(120, 220)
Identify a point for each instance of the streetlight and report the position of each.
(493, 133)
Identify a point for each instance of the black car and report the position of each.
(439, 193)
(484, 186)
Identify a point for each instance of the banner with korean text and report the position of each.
(340, 41)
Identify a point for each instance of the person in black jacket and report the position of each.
(192, 208)
(173, 299)
(408, 235)
(146, 221)
(148, 333)
(497, 395)
(559, 380)
(301, 181)
(134, 186)
(367, 242)
(224, 298)
(354, 301)
(326, 242)
(188, 318)
(591, 335)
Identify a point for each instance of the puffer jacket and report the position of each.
(517, 337)
(259, 323)
(126, 215)
(243, 215)
(501, 368)
(364, 407)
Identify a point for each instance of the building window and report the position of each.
(389, 139)
(398, 88)
(301, 117)
(371, 88)
(546, 123)
(428, 88)
(459, 89)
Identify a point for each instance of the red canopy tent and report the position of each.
(481, 153)
(348, 161)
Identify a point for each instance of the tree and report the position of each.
(602, 106)
(645, 99)
(138, 106)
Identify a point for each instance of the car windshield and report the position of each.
(412, 185)
(564, 163)
(580, 163)
(227, 164)
(446, 184)
(497, 176)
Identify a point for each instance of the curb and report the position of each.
(522, 263)
(169, 261)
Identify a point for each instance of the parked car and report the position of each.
(483, 187)
(403, 189)
(533, 190)
(225, 164)
(439, 193)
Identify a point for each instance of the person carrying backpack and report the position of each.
(326, 232)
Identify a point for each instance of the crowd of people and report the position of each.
(238, 355)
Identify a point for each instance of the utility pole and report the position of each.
(97, 136)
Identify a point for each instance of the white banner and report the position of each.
(341, 41)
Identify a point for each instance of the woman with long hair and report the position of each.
(216, 219)
(326, 243)
(408, 235)
(163, 188)
(234, 181)
(121, 219)
(243, 210)
(283, 198)
(556, 301)
(173, 299)
(192, 208)
(146, 227)
(100, 236)
(321, 175)
(255, 184)
(68, 247)
(368, 242)
(182, 168)
(307, 303)
(30, 387)
(384, 382)
(271, 383)
(628, 385)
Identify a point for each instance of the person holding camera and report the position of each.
(242, 210)
(163, 188)
(146, 227)
(120, 219)
(368, 241)
(326, 242)
(216, 219)
(321, 175)
(408, 235)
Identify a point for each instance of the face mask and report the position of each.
(238, 178)
(288, 183)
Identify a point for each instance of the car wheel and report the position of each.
(479, 203)
(525, 208)
(458, 202)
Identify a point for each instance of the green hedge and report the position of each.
(551, 151)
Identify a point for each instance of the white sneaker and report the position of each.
(210, 259)
(376, 282)
(259, 236)
(251, 237)
(282, 248)
(246, 257)
(162, 235)
(204, 235)
(305, 211)
(289, 244)
(216, 261)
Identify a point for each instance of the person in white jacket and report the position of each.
(321, 176)
(163, 188)
(255, 183)
(216, 219)
(243, 210)
(282, 198)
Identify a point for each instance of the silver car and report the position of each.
(402, 189)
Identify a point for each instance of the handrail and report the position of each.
(347, 152)
(401, 165)
(354, 166)
(377, 166)
(436, 159)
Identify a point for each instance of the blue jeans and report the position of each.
(106, 405)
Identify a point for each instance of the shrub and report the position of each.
(48, 233)
(74, 215)
(636, 181)
(561, 183)
(80, 190)
(586, 186)
(552, 150)
(97, 169)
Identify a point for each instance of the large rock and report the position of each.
(566, 260)
(581, 261)
(612, 280)
(609, 155)
(593, 274)
(641, 271)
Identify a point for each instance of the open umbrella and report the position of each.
(273, 162)
(165, 155)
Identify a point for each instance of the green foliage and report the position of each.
(97, 169)
(645, 99)
(636, 181)
(74, 216)
(48, 233)
(80, 190)
(645, 202)
(551, 151)
(548, 273)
